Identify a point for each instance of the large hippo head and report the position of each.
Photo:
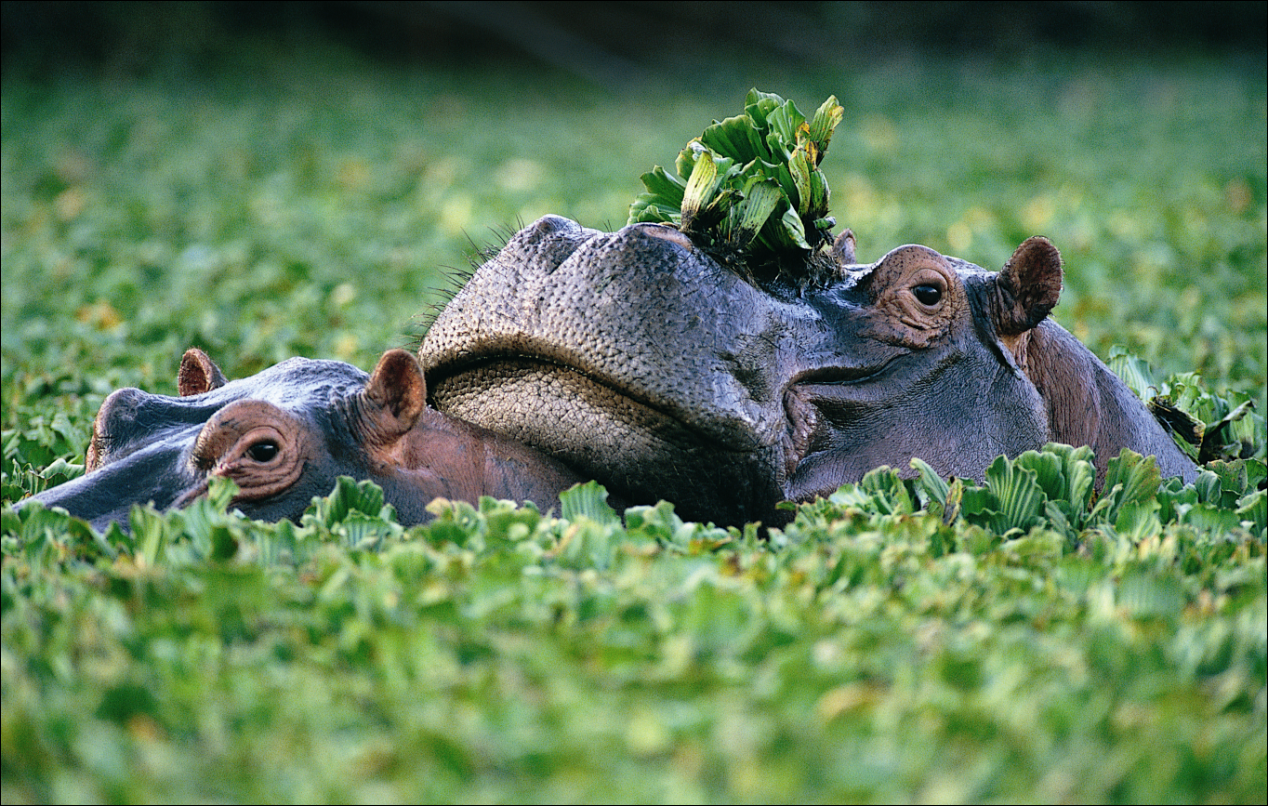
(642, 361)
(284, 436)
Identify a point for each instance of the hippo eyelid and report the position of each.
(259, 445)
(256, 442)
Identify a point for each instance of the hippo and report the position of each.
(286, 434)
(669, 371)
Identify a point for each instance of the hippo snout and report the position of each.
(154, 474)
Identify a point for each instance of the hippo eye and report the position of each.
(263, 451)
(927, 294)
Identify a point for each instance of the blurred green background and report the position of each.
(265, 181)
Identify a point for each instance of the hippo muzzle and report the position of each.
(154, 474)
(630, 357)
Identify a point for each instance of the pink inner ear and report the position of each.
(198, 374)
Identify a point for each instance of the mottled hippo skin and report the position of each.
(286, 434)
(636, 359)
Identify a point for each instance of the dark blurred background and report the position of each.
(617, 44)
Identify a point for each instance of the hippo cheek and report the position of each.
(262, 448)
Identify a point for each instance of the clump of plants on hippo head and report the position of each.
(750, 186)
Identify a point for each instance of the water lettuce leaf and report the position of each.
(1208, 426)
(751, 184)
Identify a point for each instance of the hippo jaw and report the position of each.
(618, 438)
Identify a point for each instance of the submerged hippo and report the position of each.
(640, 360)
(284, 436)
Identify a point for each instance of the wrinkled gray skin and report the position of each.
(639, 360)
(285, 435)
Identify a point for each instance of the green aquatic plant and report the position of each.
(751, 184)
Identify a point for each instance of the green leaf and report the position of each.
(1134, 371)
(738, 138)
(888, 491)
(784, 122)
(589, 500)
(826, 118)
(799, 167)
(151, 532)
(702, 185)
(790, 231)
(762, 196)
(220, 492)
(752, 183)
(929, 484)
(758, 105)
(1210, 518)
(1252, 510)
(224, 544)
(818, 202)
(1138, 520)
(349, 496)
(1129, 478)
(659, 183)
(1067, 477)
(1145, 594)
(1020, 497)
(1206, 426)
(587, 543)
(364, 532)
(646, 209)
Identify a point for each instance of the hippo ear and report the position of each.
(396, 395)
(843, 248)
(198, 374)
(1027, 288)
